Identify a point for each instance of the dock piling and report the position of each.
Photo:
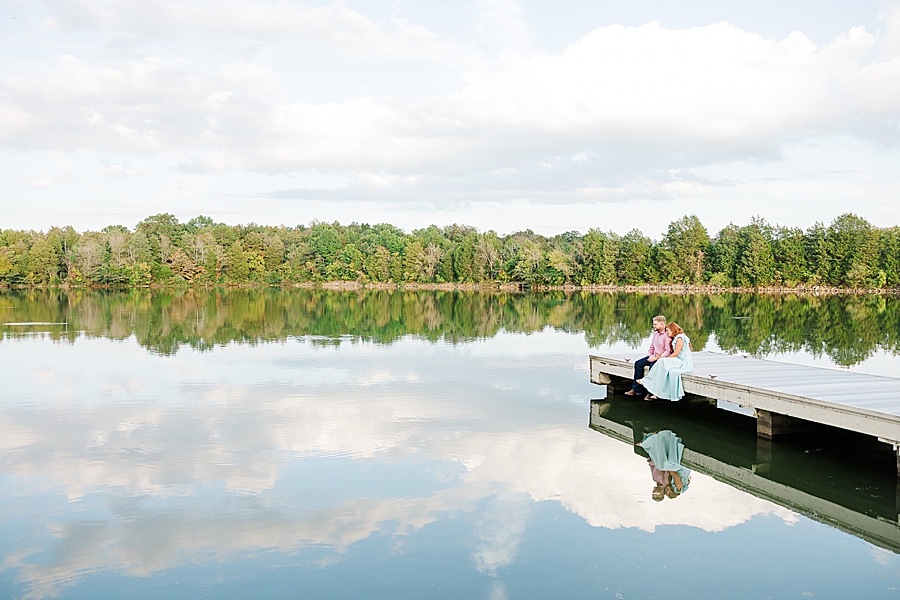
(771, 425)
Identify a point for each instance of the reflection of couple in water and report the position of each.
(664, 449)
(668, 357)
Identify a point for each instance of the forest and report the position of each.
(848, 253)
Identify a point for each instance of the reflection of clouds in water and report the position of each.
(498, 591)
(515, 448)
(384, 376)
(43, 375)
(499, 531)
(163, 451)
(511, 346)
(880, 555)
(139, 540)
(604, 481)
(246, 439)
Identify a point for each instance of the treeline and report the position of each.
(847, 328)
(850, 253)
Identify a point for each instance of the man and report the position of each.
(660, 347)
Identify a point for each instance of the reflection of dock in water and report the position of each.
(846, 481)
(785, 398)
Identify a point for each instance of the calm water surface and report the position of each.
(284, 444)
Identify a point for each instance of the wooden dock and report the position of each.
(785, 398)
(859, 496)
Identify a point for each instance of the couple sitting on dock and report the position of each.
(668, 357)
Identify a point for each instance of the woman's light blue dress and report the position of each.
(664, 379)
(665, 450)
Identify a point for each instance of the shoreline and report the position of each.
(511, 287)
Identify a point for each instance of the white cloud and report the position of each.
(502, 28)
(334, 25)
(622, 114)
(713, 86)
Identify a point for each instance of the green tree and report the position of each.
(889, 262)
(274, 253)
(390, 237)
(378, 265)
(682, 253)
(788, 249)
(635, 260)
(140, 274)
(487, 256)
(197, 223)
(464, 258)
(238, 269)
(324, 244)
(395, 267)
(723, 255)
(559, 267)
(852, 247)
(352, 261)
(601, 252)
(414, 262)
(139, 249)
(6, 265)
(160, 226)
(816, 251)
(756, 265)
(43, 263)
(434, 259)
(528, 263)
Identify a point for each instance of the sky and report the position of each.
(553, 116)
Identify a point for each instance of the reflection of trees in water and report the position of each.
(848, 329)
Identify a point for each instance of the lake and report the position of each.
(283, 443)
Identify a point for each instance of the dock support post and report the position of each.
(613, 383)
(619, 384)
(771, 425)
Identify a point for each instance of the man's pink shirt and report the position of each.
(660, 344)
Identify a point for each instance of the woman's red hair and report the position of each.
(674, 329)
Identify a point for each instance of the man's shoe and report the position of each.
(631, 393)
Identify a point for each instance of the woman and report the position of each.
(670, 476)
(664, 380)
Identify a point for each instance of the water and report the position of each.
(301, 443)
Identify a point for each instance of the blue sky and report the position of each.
(503, 115)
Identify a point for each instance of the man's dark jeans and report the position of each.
(639, 374)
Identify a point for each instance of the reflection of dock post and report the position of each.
(763, 455)
(897, 500)
(599, 408)
(771, 425)
(896, 447)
